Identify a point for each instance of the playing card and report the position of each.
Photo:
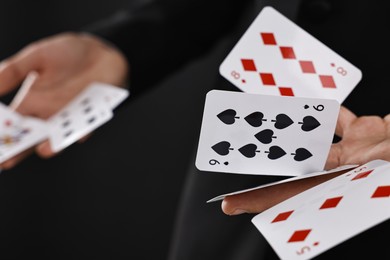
(18, 133)
(277, 57)
(326, 215)
(264, 134)
(291, 179)
(113, 95)
(88, 111)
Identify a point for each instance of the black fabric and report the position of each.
(355, 30)
(160, 37)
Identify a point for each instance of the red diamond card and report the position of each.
(277, 57)
(328, 214)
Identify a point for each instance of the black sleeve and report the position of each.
(162, 36)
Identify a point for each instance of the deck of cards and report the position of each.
(90, 109)
(282, 122)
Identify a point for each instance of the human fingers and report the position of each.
(12, 162)
(15, 69)
(334, 155)
(44, 150)
(344, 120)
(387, 118)
(85, 138)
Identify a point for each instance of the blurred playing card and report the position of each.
(113, 95)
(88, 111)
(18, 133)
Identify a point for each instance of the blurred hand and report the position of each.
(66, 63)
(362, 139)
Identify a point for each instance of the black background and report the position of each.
(115, 196)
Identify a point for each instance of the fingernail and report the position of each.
(238, 212)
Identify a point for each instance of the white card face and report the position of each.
(320, 218)
(89, 110)
(277, 57)
(113, 95)
(265, 135)
(81, 116)
(18, 133)
(295, 178)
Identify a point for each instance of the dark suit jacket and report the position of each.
(160, 38)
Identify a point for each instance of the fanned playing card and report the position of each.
(112, 95)
(328, 214)
(88, 111)
(18, 133)
(264, 134)
(277, 57)
(291, 179)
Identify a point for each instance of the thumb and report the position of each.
(14, 69)
(345, 119)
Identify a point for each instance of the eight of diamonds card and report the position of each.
(264, 134)
(328, 214)
(277, 57)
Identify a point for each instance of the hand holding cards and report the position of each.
(89, 110)
(18, 133)
(284, 124)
